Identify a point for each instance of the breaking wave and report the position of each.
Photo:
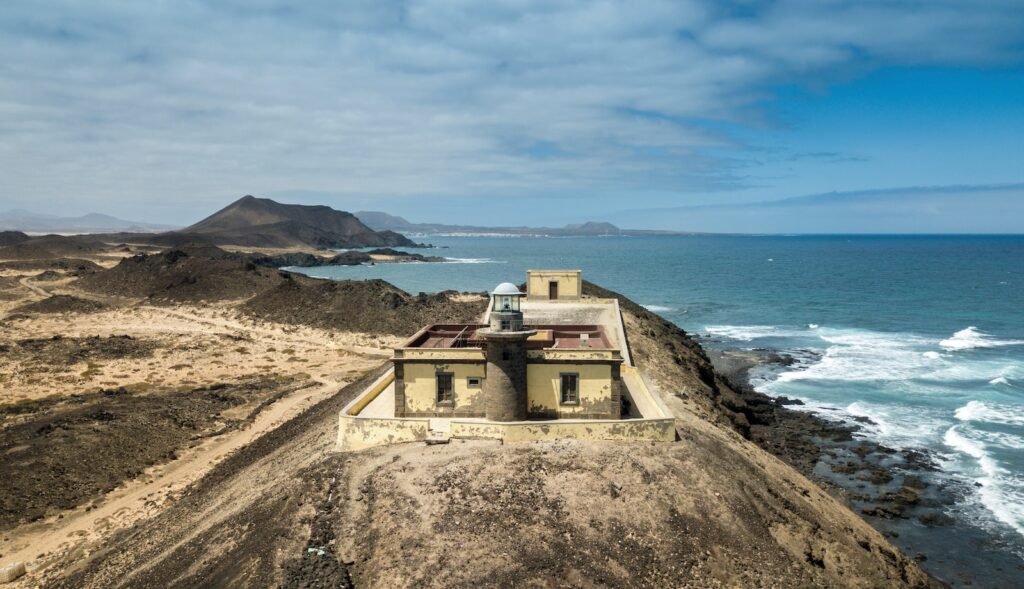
(472, 261)
(748, 333)
(971, 338)
(854, 355)
(991, 413)
(905, 391)
(1000, 492)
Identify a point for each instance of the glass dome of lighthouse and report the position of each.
(506, 297)
(506, 316)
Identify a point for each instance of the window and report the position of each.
(473, 381)
(506, 355)
(445, 388)
(506, 325)
(570, 389)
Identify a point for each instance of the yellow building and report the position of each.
(554, 285)
(508, 371)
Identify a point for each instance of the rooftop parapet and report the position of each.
(450, 336)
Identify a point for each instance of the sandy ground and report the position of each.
(71, 533)
(708, 511)
(277, 251)
(192, 346)
(177, 347)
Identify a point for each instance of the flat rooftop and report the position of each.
(465, 335)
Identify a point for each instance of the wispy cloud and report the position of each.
(997, 208)
(186, 103)
(826, 157)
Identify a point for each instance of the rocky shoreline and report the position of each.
(899, 492)
(350, 258)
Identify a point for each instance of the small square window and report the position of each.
(445, 388)
(473, 381)
(506, 355)
(570, 389)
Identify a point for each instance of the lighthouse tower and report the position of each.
(505, 385)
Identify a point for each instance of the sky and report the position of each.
(754, 116)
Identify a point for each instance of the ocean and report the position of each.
(921, 335)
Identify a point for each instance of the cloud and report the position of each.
(920, 209)
(832, 157)
(186, 103)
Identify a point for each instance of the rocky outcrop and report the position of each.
(360, 305)
(683, 367)
(350, 258)
(181, 275)
(12, 237)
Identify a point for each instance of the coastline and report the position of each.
(902, 494)
(711, 508)
(723, 301)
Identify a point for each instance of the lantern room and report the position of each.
(506, 298)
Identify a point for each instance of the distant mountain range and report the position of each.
(247, 222)
(385, 222)
(264, 223)
(22, 220)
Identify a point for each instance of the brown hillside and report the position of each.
(207, 273)
(177, 276)
(261, 222)
(12, 237)
(53, 246)
(363, 305)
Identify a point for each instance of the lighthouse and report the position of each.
(505, 384)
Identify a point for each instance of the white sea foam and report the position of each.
(878, 424)
(657, 308)
(813, 326)
(971, 338)
(991, 413)
(854, 355)
(472, 261)
(861, 355)
(748, 333)
(894, 365)
(1001, 493)
(1004, 376)
(895, 426)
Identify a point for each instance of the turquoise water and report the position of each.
(924, 334)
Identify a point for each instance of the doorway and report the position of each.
(553, 290)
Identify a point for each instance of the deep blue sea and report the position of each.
(924, 335)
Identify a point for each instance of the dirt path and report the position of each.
(237, 525)
(32, 287)
(71, 534)
(296, 335)
(191, 345)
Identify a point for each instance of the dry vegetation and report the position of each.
(125, 379)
